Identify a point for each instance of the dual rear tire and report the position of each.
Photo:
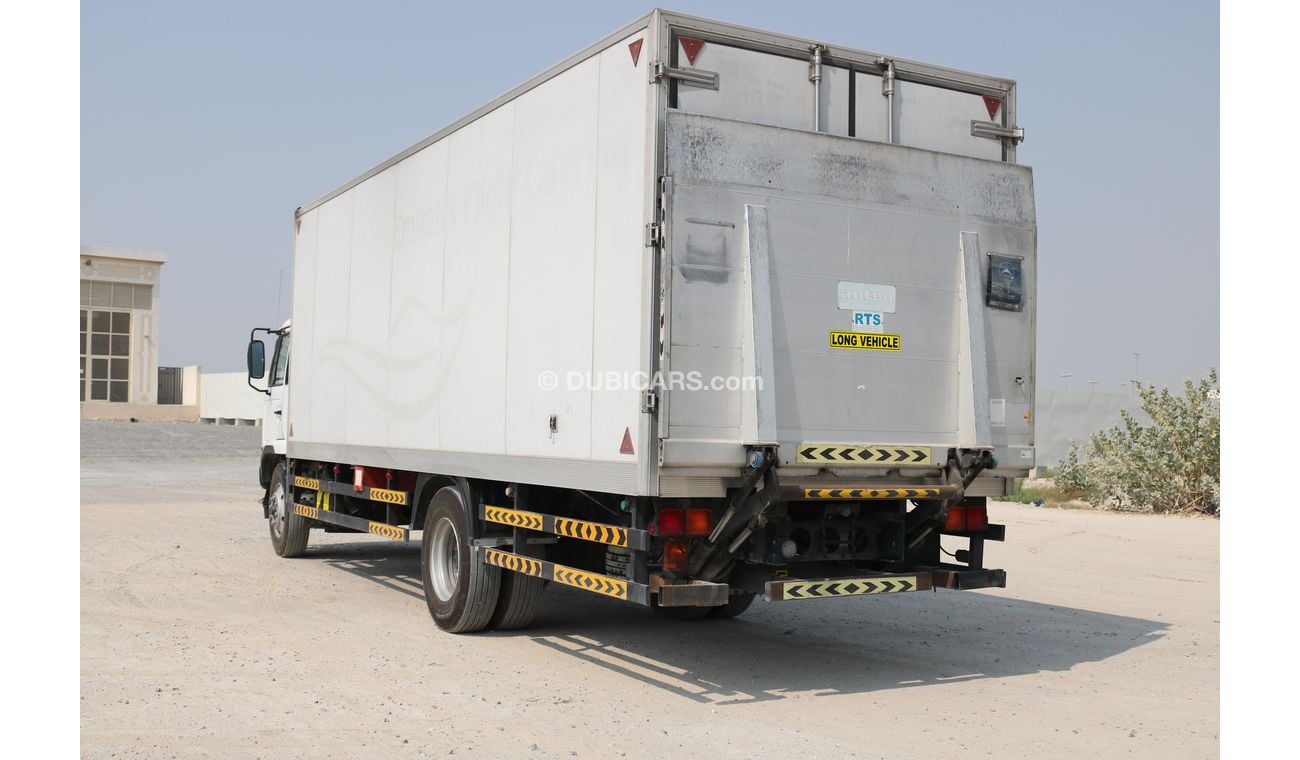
(464, 592)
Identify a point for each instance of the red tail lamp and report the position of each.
(670, 522)
(676, 551)
(966, 518)
(699, 522)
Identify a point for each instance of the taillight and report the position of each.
(675, 555)
(966, 518)
(670, 522)
(699, 522)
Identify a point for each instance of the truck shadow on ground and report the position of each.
(836, 646)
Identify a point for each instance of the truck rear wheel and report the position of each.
(520, 595)
(289, 530)
(736, 605)
(681, 613)
(459, 587)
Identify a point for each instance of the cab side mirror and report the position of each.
(256, 360)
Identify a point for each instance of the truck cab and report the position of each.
(276, 387)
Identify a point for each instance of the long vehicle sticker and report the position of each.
(866, 341)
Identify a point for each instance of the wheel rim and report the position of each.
(444, 560)
(276, 507)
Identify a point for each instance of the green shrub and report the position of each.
(1170, 465)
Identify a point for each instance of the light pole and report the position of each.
(1092, 387)
(1137, 370)
(1067, 377)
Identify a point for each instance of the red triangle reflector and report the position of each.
(692, 47)
(635, 49)
(626, 448)
(993, 104)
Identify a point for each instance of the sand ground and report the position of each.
(196, 640)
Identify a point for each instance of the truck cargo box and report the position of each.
(837, 245)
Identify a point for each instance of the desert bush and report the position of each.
(1170, 465)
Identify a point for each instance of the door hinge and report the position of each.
(654, 234)
(996, 131)
(649, 402)
(697, 77)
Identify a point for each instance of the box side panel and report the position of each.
(367, 353)
(552, 262)
(327, 327)
(618, 304)
(471, 303)
(413, 305)
(437, 291)
(302, 305)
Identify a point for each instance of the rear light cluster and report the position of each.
(683, 522)
(678, 526)
(966, 518)
(676, 555)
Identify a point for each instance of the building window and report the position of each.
(105, 355)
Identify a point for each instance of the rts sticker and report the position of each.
(868, 321)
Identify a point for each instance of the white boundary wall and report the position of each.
(226, 396)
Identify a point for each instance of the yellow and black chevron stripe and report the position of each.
(387, 496)
(870, 493)
(848, 587)
(590, 531)
(599, 533)
(387, 531)
(580, 579)
(593, 582)
(310, 513)
(513, 562)
(515, 518)
(836, 453)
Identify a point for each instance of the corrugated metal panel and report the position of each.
(170, 385)
(987, 486)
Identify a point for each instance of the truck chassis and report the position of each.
(851, 540)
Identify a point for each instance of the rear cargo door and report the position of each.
(837, 271)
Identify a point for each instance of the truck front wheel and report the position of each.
(289, 530)
(459, 587)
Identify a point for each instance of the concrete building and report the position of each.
(119, 334)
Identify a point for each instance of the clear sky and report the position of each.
(203, 125)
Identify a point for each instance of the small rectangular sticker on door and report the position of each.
(998, 412)
(866, 296)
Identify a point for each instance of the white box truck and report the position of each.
(702, 314)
